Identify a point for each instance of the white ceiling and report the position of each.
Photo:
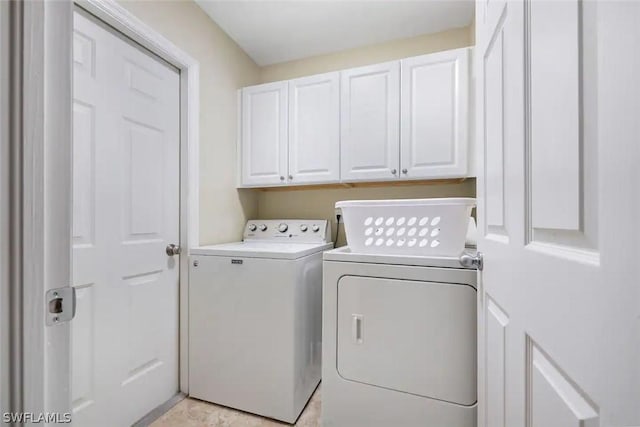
(273, 31)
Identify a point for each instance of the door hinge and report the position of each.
(60, 305)
(473, 261)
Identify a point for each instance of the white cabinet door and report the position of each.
(434, 124)
(264, 134)
(369, 128)
(314, 134)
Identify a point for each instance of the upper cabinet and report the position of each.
(400, 120)
(264, 134)
(290, 132)
(370, 127)
(314, 122)
(434, 115)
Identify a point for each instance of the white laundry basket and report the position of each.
(408, 227)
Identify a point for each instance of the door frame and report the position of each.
(45, 63)
(5, 210)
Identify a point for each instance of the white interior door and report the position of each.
(125, 212)
(369, 122)
(558, 211)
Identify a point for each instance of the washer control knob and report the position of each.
(263, 227)
(253, 227)
(283, 227)
(315, 228)
(303, 227)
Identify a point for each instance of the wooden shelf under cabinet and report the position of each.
(398, 183)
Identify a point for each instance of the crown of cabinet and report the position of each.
(399, 120)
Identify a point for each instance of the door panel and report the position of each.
(559, 299)
(264, 134)
(314, 129)
(126, 210)
(563, 135)
(84, 190)
(434, 121)
(142, 171)
(496, 322)
(555, 114)
(493, 126)
(369, 125)
(554, 400)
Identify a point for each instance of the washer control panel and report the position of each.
(293, 230)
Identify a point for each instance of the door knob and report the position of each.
(473, 261)
(172, 249)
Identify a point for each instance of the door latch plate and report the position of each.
(60, 305)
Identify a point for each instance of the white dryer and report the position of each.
(255, 318)
(399, 341)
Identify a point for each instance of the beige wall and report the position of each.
(320, 203)
(373, 54)
(224, 68)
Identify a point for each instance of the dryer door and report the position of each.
(409, 336)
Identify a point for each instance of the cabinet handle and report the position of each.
(282, 178)
(290, 177)
(404, 171)
(394, 171)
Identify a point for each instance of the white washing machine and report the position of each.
(399, 341)
(256, 318)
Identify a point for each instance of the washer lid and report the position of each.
(253, 249)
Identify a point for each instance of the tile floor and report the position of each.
(196, 413)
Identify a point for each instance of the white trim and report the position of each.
(123, 21)
(239, 138)
(5, 211)
(12, 28)
(46, 205)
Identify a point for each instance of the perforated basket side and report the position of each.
(420, 229)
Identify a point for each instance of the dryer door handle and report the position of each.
(357, 323)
